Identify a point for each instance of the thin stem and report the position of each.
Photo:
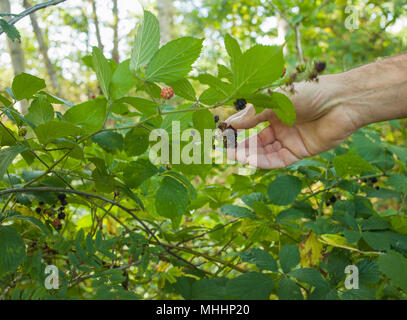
(33, 9)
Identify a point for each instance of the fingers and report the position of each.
(248, 118)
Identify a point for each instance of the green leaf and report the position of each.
(237, 212)
(250, 286)
(350, 164)
(25, 86)
(173, 61)
(40, 111)
(289, 257)
(233, 49)
(284, 108)
(203, 119)
(284, 190)
(377, 240)
(171, 199)
(34, 221)
(146, 107)
(368, 271)
(310, 276)
(89, 115)
(109, 140)
(146, 42)
(10, 30)
(51, 130)
(102, 69)
(138, 171)
(261, 258)
(398, 182)
(394, 266)
(12, 250)
(289, 290)
(257, 67)
(184, 89)
(122, 80)
(136, 141)
(7, 156)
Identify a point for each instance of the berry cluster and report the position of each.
(51, 212)
(371, 181)
(305, 71)
(167, 93)
(331, 200)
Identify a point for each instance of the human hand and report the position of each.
(323, 122)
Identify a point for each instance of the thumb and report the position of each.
(248, 118)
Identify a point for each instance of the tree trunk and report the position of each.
(166, 19)
(115, 51)
(16, 53)
(44, 50)
(96, 22)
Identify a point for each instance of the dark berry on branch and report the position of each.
(61, 215)
(61, 196)
(333, 199)
(319, 66)
(38, 210)
(41, 203)
(63, 203)
(216, 118)
(240, 104)
(373, 180)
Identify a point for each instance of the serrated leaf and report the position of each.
(310, 251)
(51, 130)
(173, 61)
(233, 49)
(40, 111)
(12, 250)
(171, 199)
(122, 80)
(184, 89)
(10, 30)
(289, 256)
(237, 212)
(256, 68)
(89, 115)
(289, 290)
(109, 140)
(250, 286)
(102, 69)
(394, 266)
(25, 86)
(290, 184)
(138, 171)
(7, 156)
(261, 258)
(146, 42)
(350, 164)
(136, 141)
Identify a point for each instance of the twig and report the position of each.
(33, 9)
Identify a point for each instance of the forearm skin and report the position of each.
(374, 92)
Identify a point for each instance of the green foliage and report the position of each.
(134, 228)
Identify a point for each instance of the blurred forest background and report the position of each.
(55, 40)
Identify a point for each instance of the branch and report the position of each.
(33, 9)
(81, 193)
(298, 45)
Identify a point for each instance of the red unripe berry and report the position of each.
(93, 96)
(56, 223)
(167, 92)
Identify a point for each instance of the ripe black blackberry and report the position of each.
(61, 196)
(38, 210)
(61, 215)
(240, 104)
(319, 66)
(373, 180)
(216, 117)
